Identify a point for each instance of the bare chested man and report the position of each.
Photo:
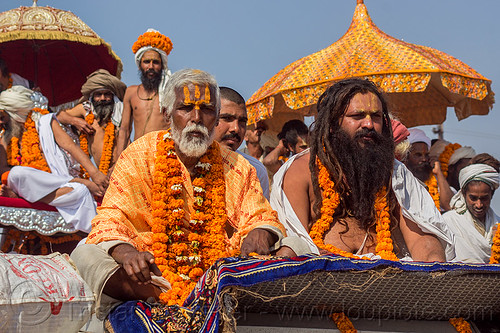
(337, 196)
(142, 102)
(102, 95)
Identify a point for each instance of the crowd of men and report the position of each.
(179, 194)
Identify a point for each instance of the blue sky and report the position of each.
(244, 43)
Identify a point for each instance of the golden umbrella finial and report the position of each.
(34, 3)
(359, 2)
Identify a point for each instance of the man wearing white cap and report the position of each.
(418, 157)
(472, 220)
(141, 104)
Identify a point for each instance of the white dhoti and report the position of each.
(77, 207)
(416, 204)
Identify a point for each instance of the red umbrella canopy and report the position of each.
(55, 49)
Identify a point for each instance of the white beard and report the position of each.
(193, 146)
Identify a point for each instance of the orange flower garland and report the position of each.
(331, 200)
(10, 82)
(461, 325)
(444, 158)
(433, 189)
(13, 152)
(184, 252)
(154, 39)
(107, 150)
(17, 238)
(343, 323)
(31, 155)
(495, 248)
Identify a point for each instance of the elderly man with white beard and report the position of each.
(176, 202)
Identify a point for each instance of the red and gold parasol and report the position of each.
(55, 49)
(420, 82)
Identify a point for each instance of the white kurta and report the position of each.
(416, 203)
(471, 246)
(77, 207)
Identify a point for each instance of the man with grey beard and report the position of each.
(102, 97)
(176, 203)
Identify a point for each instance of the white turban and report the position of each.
(474, 172)
(165, 73)
(417, 135)
(17, 102)
(462, 152)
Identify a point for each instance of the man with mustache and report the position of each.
(175, 204)
(337, 196)
(471, 218)
(142, 102)
(417, 160)
(101, 106)
(231, 130)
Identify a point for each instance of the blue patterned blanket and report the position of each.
(202, 311)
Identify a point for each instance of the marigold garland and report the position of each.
(445, 156)
(461, 325)
(183, 253)
(154, 39)
(31, 155)
(331, 200)
(11, 82)
(432, 185)
(107, 150)
(495, 248)
(343, 323)
(13, 152)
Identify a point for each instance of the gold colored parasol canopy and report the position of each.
(420, 82)
(54, 49)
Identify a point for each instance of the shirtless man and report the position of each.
(102, 95)
(142, 102)
(333, 196)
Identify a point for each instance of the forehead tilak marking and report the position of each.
(197, 94)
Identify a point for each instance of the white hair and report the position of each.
(182, 78)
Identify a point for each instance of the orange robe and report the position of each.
(125, 213)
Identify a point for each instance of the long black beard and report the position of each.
(103, 111)
(366, 169)
(153, 83)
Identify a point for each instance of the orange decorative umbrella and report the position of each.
(55, 49)
(420, 82)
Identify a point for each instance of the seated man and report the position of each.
(175, 204)
(231, 129)
(102, 106)
(337, 196)
(472, 220)
(45, 172)
(293, 139)
(252, 138)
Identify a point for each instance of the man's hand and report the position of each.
(138, 265)
(82, 125)
(258, 240)
(436, 166)
(101, 180)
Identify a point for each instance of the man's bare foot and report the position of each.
(6, 191)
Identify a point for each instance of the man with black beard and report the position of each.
(142, 102)
(102, 97)
(348, 195)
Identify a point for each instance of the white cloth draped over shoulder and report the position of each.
(472, 246)
(416, 203)
(77, 207)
